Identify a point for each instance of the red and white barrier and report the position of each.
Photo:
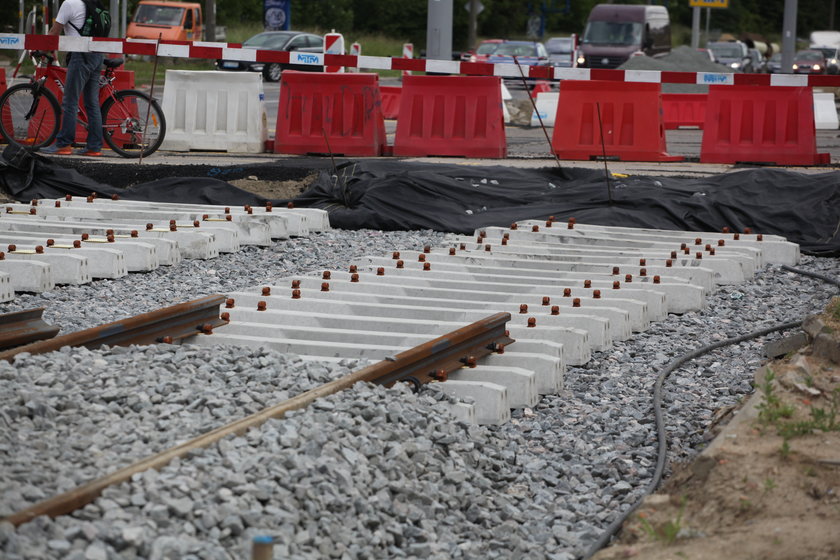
(408, 52)
(333, 44)
(234, 51)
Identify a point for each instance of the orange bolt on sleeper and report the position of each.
(400, 264)
(535, 228)
(725, 229)
(295, 284)
(736, 236)
(33, 212)
(616, 285)
(12, 247)
(504, 240)
(596, 294)
(523, 308)
(463, 246)
(229, 303)
(452, 251)
(656, 279)
(39, 249)
(759, 237)
(642, 262)
(747, 230)
(207, 328)
(325, 286)
(290, 205)
(295, 294)
(669, 263)
(628, 278)
(673, 254)
(548, 223)
(698, 241)
(395, 255)
(135, 233)
(488, 247)
(427, 249)
(326, 275)
(616, 270)
(421, 258)
(427, 266)
(261, 305)
(225, 316)
(546, 300)
(567, 292)
(353, 268)
(555, 310)
(712, 251)
(150, 227)
(514, 226)
(85, 236)
(687, 251)
(354, 277)
(266, 291)
(642, 272)
(532, 322)
(110, 239)
(77, 244)
(68, 197)
(58, 204)
(380, 271)
(587, 283)
(576, 302)
(698, 255)
(721, 242)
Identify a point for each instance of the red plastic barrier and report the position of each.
(540, 87)
(330, 113)
(123, 79)
(684, 110)
(451, 116)
(390, 101)
(760, 124)
(2, 80)
(630, 117)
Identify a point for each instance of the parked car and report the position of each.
(774, 65)
(527, 53)
(562, 51)
(296, 41)
(809, 62)
(482, 51)
(733, 54)
(614, 32)
(832, 58)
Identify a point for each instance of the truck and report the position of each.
(614, 32)
(170, 21)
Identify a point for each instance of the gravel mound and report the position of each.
(680, 59)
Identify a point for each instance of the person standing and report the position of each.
(83, 69)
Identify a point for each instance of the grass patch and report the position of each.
(665, 533)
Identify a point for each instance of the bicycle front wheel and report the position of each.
(133, 124)
(29, 116)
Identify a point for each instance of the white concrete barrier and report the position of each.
(208, 110)
(546, 107)
(825, 112)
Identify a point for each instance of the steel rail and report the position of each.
(23, 327)
(163, 325)
(427, 361)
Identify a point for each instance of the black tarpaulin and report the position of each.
(398, 195)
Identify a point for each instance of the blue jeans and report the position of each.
(82, 78)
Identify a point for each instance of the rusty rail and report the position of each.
(23, 327)
(427, 361)
(163, 325)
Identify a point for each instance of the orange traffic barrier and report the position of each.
(540, 87)
(390, 101)
(451, 116)
(684, 110)
(329, 114)
(760, 124)
(622, 120)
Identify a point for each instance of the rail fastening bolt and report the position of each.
(567, 292)
(532, 322)
(262, 305)
(325, 286)
(354, 277)
(596, 294)
(523, 308)
(535, 228)
(555, 310)
(395, 255)
(266, 291)
(616, 285)
(587, 283)
(326, 275)
(401, 264)
(229, 303)
(546, 300)
(380, 271)
(576, 302)
(427, 266)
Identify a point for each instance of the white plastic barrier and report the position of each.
(825, 112)
(220, 111)
(546, 107)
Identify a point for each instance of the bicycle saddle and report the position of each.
(113, 62)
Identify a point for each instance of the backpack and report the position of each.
(97, 20)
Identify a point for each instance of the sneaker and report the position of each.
(89, 153)
(62, 151)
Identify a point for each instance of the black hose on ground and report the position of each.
(662, 450)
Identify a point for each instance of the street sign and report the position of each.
(479, 7)
(708, 3)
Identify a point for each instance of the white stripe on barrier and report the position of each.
(313, 59)
(712, 78)
(825, 112)
(109, 47)
(375, 62)
(647, 76)
(509, 70)
(443, 66)
(245, 55)
(788, 80)
(571, 73)
(74, 44)
(212, 45)
(174, 50)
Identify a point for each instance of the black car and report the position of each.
(297, 41)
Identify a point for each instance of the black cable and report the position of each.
(662, 450)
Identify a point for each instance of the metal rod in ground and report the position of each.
(604, 155)
(534, 105)
(151, 96)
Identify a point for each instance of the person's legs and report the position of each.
(76, 77)
(90, 94)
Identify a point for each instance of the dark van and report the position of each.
(615, 31)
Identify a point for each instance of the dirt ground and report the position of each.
(754, 494)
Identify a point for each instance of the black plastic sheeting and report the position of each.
(398, 195)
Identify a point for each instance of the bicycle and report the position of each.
(133, 124)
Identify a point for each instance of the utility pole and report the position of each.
(472, 34)
(210, 20)
(789, 36)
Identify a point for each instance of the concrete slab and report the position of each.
(491, 400)
(520, 383)
(27, 275)
(6, 291)
(65, 269)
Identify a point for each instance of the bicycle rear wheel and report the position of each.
(133, 124)
(29, 116)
